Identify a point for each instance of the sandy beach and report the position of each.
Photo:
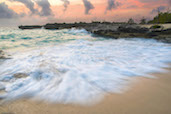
(85, 57)
(146, 96)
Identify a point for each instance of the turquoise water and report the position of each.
(11, 38)
(73, 66)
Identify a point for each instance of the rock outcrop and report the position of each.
(30, 27)
(114, 30)
(136, 31)
(132, 29)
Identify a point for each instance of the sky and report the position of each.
(28, 12)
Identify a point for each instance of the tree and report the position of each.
(163, 17)
(131, 21)
(143, 21)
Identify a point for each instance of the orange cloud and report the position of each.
(75, 11)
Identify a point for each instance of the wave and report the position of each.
(76, 31)
(81, 71)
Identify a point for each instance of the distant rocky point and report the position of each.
(115, 30)
(30, 27)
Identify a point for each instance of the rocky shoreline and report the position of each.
(114, 30)
(136, 31)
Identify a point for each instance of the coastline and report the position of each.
(160, 32)
(146, 96)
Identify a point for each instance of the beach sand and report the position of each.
(146, 96)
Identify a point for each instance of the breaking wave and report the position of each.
(80, 70)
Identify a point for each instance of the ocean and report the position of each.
(75, 66)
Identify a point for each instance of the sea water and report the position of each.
(74, 66)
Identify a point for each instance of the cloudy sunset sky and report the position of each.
(22, 12)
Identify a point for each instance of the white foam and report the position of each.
(82, 71)
(77, 31)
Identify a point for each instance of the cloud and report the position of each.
(88, 6)
(158, 9)
(155, 1)
(112, 4)
(45, 7)
(29, 4)
(66, 3)
(146, 1)
(169, 2)
(44, 4)
(5, 12)
(131, 7)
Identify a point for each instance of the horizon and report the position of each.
(40, 12)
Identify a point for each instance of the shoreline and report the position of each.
(146, 96)
(160, 32)
(112, 30)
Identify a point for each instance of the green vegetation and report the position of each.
(162, 17)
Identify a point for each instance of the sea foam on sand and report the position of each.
(83, 70)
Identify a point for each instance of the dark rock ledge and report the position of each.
(113, 30)
(136, 32)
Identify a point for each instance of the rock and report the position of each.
(123, 31)
(20, 75)
(51, 26)
(114, 30)
(166, 31)
(161, 35)
(156, 28)
(107, 33)
(2, 54)
(132, 29)
(30, 27)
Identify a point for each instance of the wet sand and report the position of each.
(146, 96)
